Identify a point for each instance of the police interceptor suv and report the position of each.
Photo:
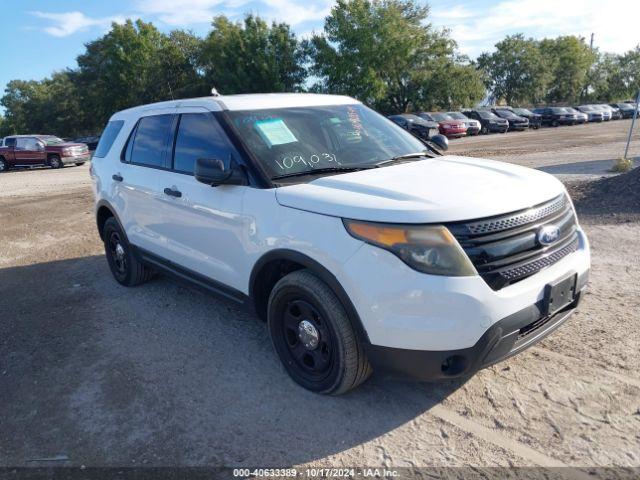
(363, 247)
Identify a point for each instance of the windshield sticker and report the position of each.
(275, 132)
(317, 160)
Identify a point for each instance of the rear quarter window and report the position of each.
(108, 137)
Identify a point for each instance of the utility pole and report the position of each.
(591, 42)
(633, 122)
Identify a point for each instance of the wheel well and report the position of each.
(49, 155)
(102, 216)
(266, 278)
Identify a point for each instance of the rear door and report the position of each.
(137, 183)
(201, 228)
(29, 151)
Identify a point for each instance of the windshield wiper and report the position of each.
(406, 156)
(342, 168)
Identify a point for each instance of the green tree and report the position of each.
(384, 53)
(251, 56)
(516, 71)
(568, 60)
(133, 64)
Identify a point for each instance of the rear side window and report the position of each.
(148, 146)
(10, 142)
(199, 136)
(108, 137)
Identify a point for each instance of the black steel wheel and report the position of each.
(125, 267)
(313, 336)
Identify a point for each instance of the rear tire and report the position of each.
(4, 166)
(125, 267)
(484, 130)
(55, 162)
(313, 336)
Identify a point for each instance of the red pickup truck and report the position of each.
(30, 150)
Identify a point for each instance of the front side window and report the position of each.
(108, 137)
(27, 143)
(199, 136)
(149, 145)
(303, 139)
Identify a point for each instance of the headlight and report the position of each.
(426, 248)
(67, 152)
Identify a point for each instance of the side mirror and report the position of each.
(213, 172)
(441, 142)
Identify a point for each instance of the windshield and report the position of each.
(296, 140)
(51, 140)
(505, 113)
(522, 111)
(585, 108)
(559, 110)
(457, 115)
(441, 117)
(487, 115)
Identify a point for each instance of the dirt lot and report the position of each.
(92, 373)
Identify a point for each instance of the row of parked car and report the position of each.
(502, 119)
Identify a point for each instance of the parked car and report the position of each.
(535, 120)
(606, 113)
(489, 121)
(362, 248)
(447, 126)
(582, 117)
(555, 116)
(473, 126)
(615, 111)
(415, 125)
(593, 114)
(516, 122)
(33, 150)
(91, 142)
(626, 109)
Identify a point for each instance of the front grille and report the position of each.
(505, 249)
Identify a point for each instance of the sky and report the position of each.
(38, 37)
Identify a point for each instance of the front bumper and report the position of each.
(498, 127)
(85, 157)
(504, 339)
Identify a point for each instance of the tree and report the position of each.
(568, 60)
(134, 64)
(382, 52)
(251, 56)
(516, 71)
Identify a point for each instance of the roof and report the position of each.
(252, 101)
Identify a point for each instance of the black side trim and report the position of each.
(194, 278)
(318, 269)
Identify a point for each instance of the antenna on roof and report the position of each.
(215, 92)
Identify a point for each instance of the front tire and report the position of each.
(79, 164)
(313, 336)
(55, 162)
(125, 267)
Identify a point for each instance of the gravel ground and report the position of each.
(92, 373)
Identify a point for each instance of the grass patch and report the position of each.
(622, 165)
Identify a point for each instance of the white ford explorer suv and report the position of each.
(361, 246)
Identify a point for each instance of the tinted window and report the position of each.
(108, 137)
(10, 142)
(199, 136)
(150, 141)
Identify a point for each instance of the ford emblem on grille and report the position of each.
(548, 234)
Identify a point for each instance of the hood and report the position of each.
(443, 189)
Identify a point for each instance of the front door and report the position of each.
(29, 151)
(201, 227)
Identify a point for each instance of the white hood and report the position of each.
(443, 189)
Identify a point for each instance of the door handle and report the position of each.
(172, 193)
(117, 177)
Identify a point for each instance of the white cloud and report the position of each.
(190, 12)
(68, 23)
(477, 29)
